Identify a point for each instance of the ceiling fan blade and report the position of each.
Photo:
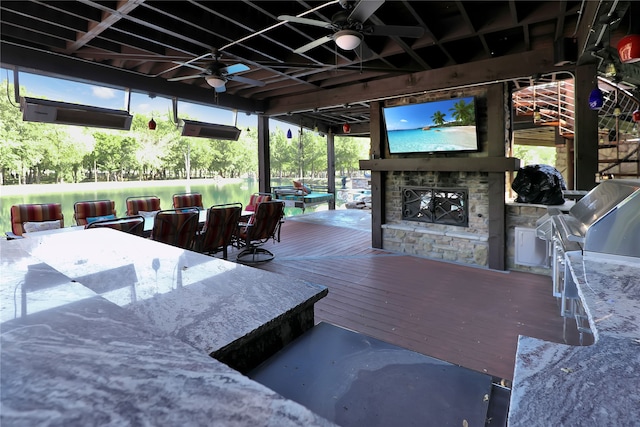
(247, 80)
(177, 79)
(313, 44)
(364, 52)
(235, 68)
(364, 9)
(306, 21)
(195, 67)
(395, 30)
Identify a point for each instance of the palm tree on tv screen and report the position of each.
(463, 113)
(438, 118)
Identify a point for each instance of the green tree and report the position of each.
(463, 113)
(438, 118)
(348, 150)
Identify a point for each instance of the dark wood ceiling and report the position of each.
(143, 44)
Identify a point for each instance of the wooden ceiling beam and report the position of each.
(485, 71)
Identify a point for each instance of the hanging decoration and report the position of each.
(596, 99)
(629, 45)
(629, 48)
(289, 135)
(346, 128)
(636, 116)
(152, 124)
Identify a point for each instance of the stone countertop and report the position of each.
(110, 329)
(181, 293)
(596, 385)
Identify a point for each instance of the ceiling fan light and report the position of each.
(348, 39)
(215, 81)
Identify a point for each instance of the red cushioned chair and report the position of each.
(176, 227)
(263, 225)
(138, 204)
(93, 210)
(222, 222)
(187, 200)
(34, 213)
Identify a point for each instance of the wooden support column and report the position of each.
(331, 168)
(377, 177)
(586, 130)
(264, 155)
(497, 103)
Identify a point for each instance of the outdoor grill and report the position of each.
(605, 222)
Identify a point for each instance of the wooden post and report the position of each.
(586, 131)
(264, 154)
(496, 145)
(331, 168)
(377, 177)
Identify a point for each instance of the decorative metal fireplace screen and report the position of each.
(435, 205)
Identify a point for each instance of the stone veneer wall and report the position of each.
(466, 245)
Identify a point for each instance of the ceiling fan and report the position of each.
(349, 26)
(218, 74)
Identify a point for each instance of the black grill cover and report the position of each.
(540, 184)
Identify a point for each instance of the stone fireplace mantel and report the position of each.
(440, 164)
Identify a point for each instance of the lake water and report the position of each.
(213, 192)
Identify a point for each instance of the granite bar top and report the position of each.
(596, 385)
(206, 302)
(103, 328)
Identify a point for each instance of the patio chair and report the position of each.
(222, 222)
(253, 203)
(86, 212)
(263, 225)
(130, 224)
(142, 205)
(255, 199)
(31, 217)
(176, 227)
(187, 200)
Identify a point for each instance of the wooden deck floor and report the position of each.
(465, 315)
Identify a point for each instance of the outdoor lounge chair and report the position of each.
(222, 222)
(34, 217)
(176, 227)
(263, 225)
(187, 200)
(86, 212)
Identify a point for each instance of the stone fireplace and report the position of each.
(461, 237)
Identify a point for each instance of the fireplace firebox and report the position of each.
(435, 205)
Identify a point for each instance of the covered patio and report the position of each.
(464, 315)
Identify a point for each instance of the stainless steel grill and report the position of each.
(605, 221)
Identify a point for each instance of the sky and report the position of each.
(414, 116)
(56, 89)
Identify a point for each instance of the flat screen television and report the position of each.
(429, 127)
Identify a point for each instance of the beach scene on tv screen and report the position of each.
(447, 125)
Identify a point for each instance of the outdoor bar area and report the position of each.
(87, 327)
(119, 319)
